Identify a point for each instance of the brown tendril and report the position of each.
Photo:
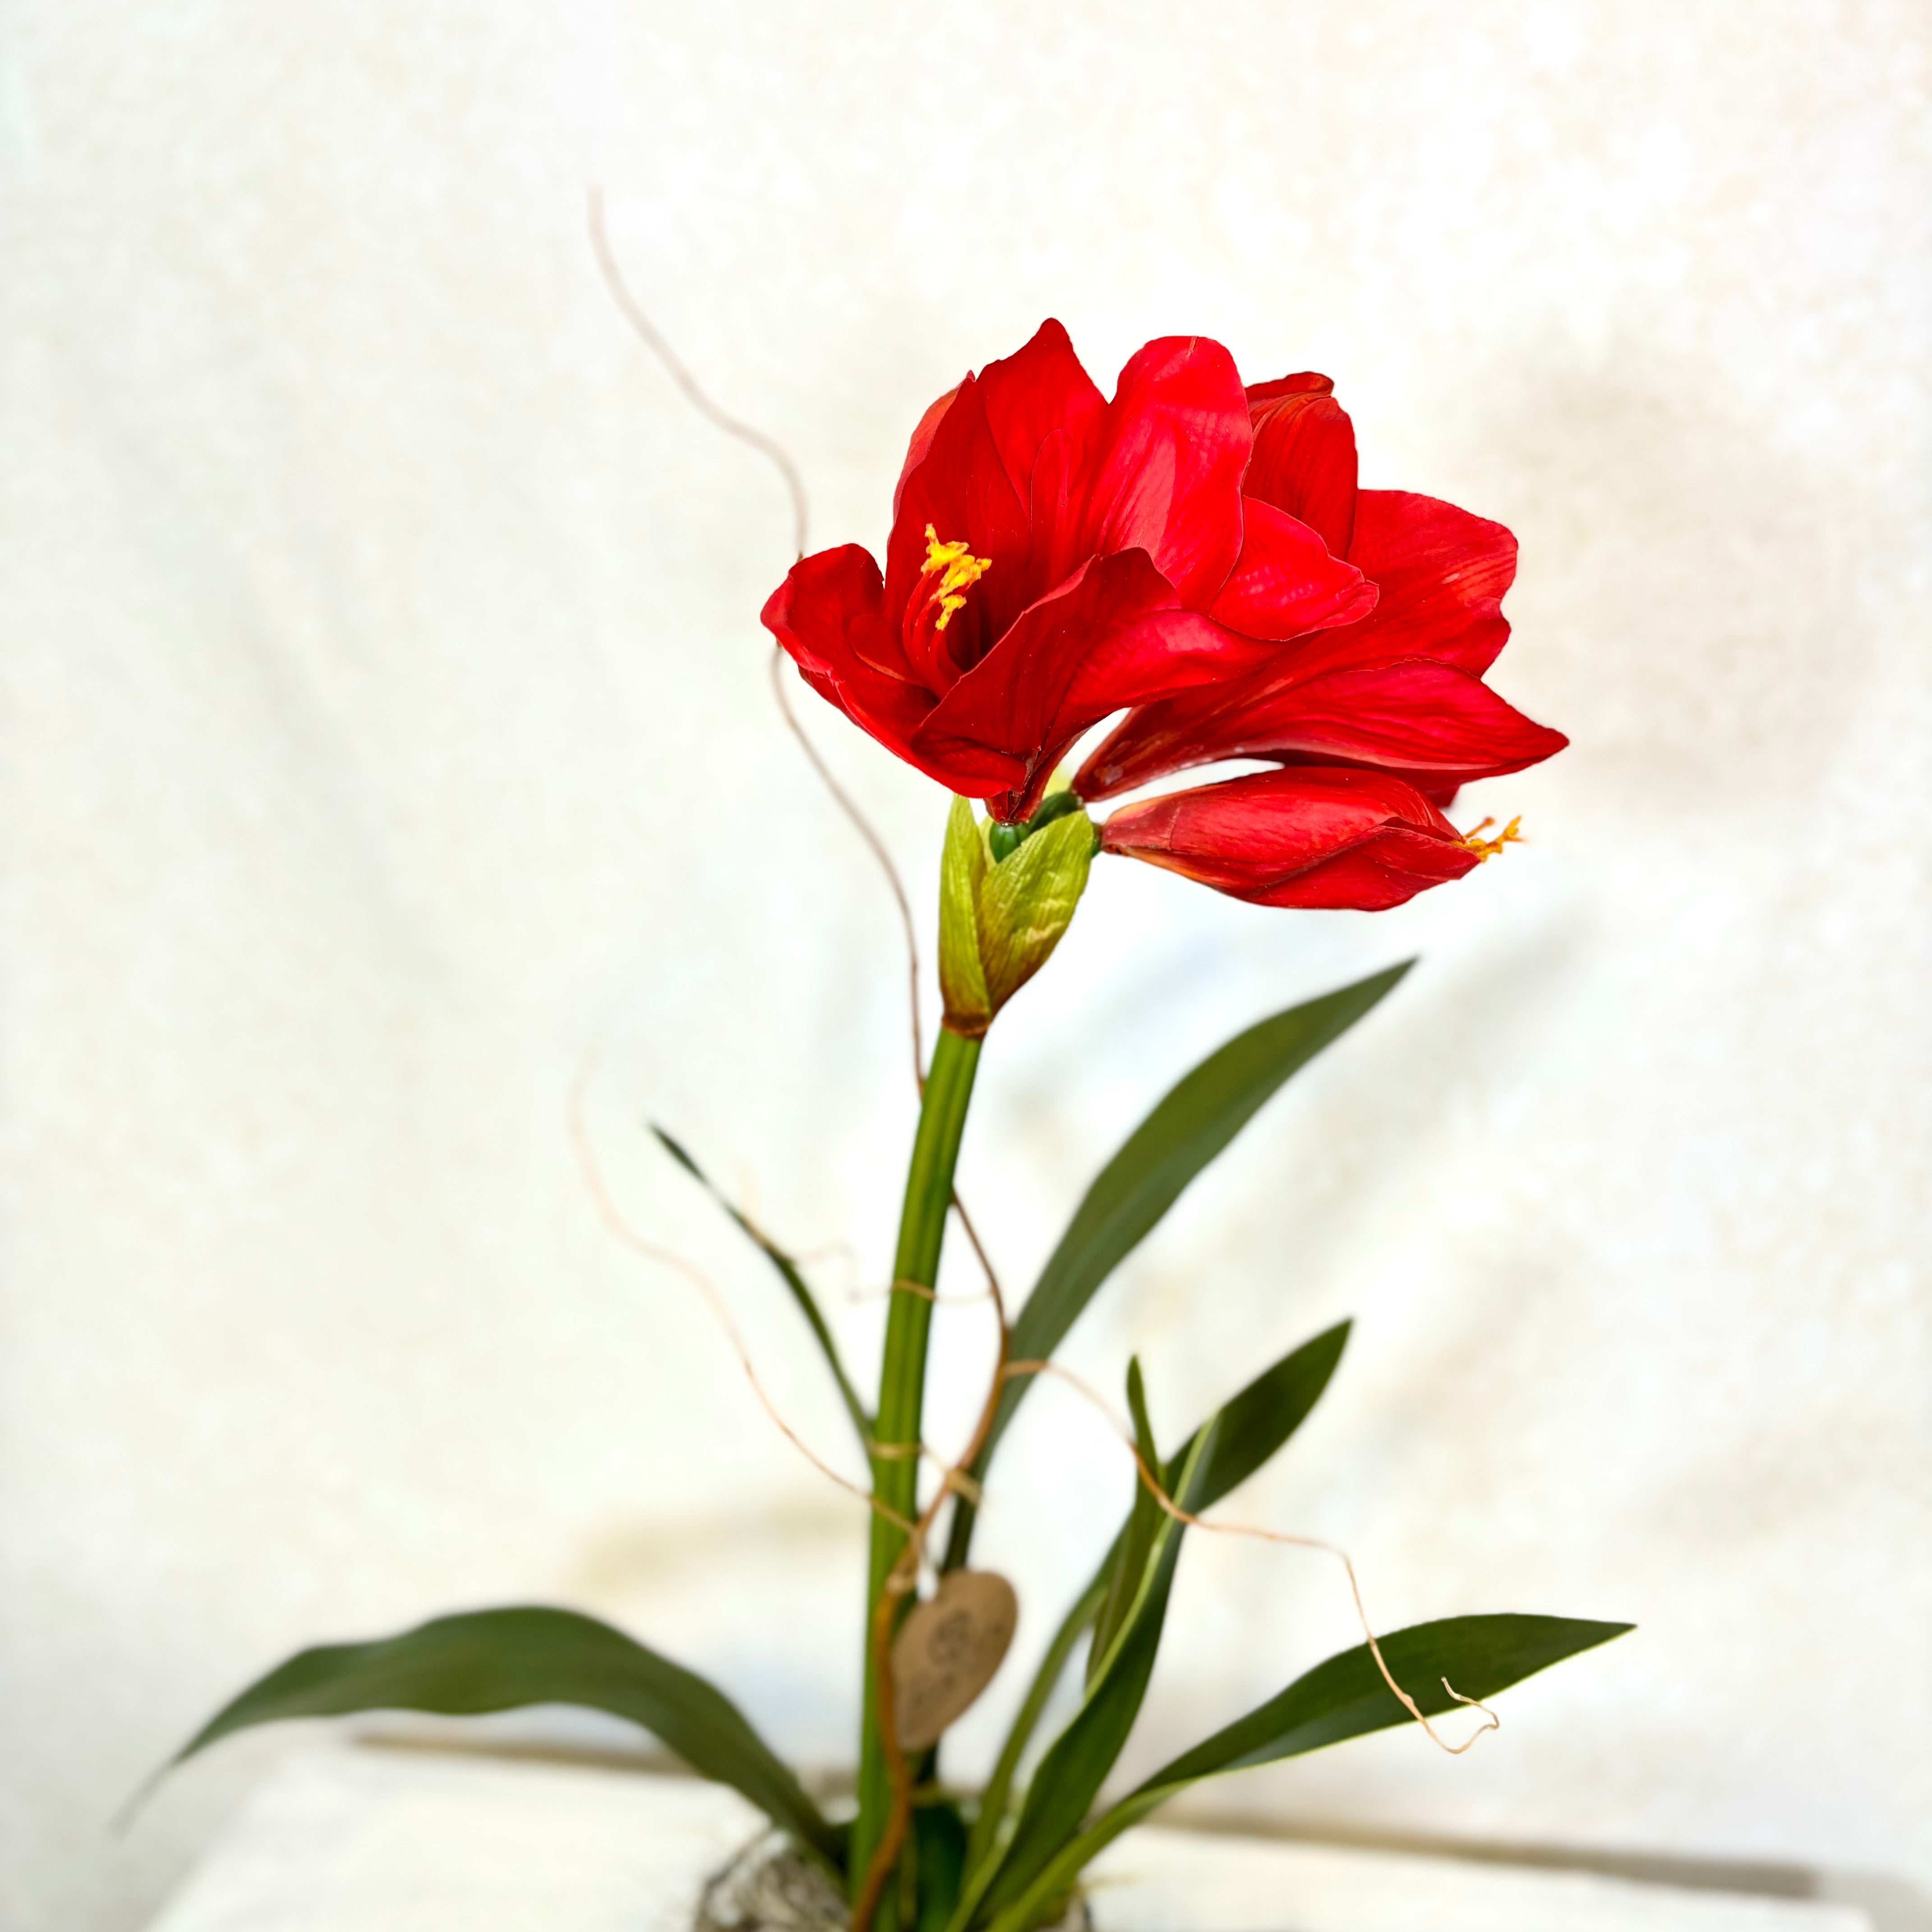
(1152, 1484)
(916, 1288)
(653, 339)
(613, 1219)
(694, 394)
(865, 829)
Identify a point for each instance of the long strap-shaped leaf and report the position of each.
(1255, 1424)
(1345, 1697)
(501, 1659)
(991, 1814)
(788, 1272)
(1073, 1770)
(1197, 1119)
(1137, 1535)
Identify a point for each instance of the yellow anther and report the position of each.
(1488, 848)
(958, 570)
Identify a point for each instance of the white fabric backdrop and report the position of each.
(386, 721)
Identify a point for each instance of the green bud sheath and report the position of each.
(963, 865)
(999, 919)
(1026, 902)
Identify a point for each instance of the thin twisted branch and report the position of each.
(694, 391)
(1151, 1482)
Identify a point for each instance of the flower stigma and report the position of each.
(1485, 849)
(958, 570)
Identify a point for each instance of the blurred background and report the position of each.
(387, 737)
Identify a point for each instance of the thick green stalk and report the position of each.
(929, 1198)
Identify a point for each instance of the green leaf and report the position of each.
(788, 1272)
(939, 1849)
(1254, 1425)
(1258, 1421)
(1077, 1764)
(501, 1659)
(1128, 1560)
(1346, 1697)
(1197, 1119)
(993, 1800)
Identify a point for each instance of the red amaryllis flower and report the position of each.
(1055, 557)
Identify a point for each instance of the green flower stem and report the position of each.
(929, 1198)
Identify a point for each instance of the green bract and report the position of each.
(1000, 916)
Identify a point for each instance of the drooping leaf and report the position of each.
(501, 1660)
(1076, 1765)
(788, 1272)
(1346, 1697)
(1196, 1121)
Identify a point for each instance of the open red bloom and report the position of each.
(1200, 556)
(1055, 557)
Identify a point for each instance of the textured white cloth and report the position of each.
(376, 1841)
(386, 725)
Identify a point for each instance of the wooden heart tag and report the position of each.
(946, 1651)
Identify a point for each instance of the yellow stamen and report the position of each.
(958, 570)
(1487, 848)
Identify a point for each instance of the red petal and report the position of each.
(1438, 726)
(1442, 573)
(1312, 837)
(1307, 383)
(1286, 583)
(1111, 636)
(1165, 472)
(917, 450)
(1415, 716)
(1304, 460)
(1380, 872)
(961, 491)
(829, 616)
(1040, 391)
(1056, 508)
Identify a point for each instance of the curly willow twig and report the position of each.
(653, 337)
(1151, 1483)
